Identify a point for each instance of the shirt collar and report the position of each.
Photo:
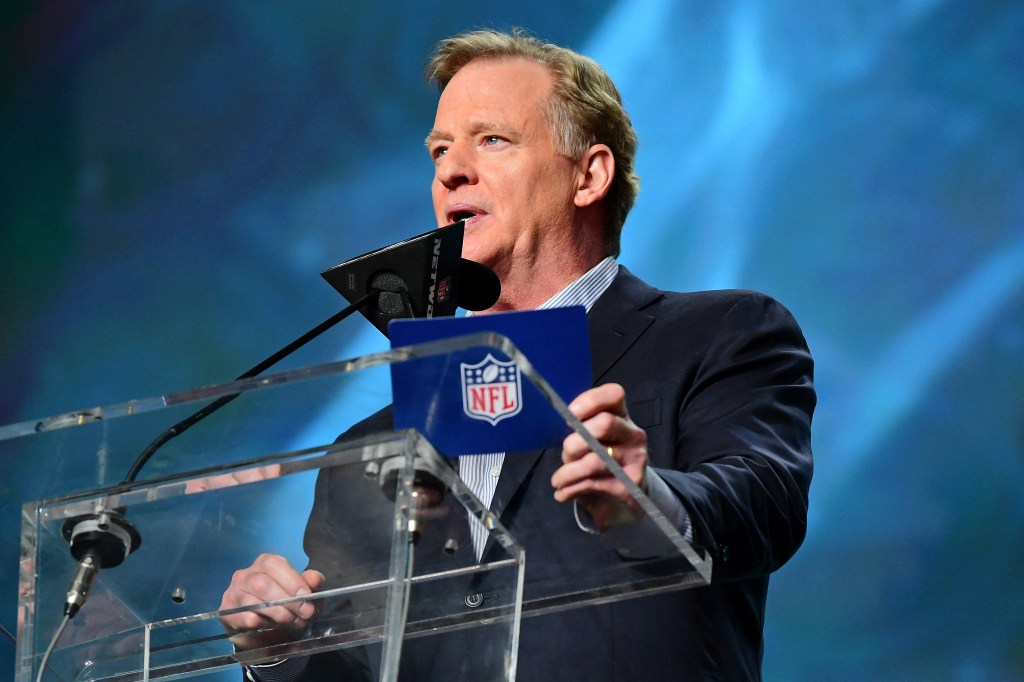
(584, 291)
(587, 289)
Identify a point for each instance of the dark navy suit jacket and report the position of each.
(721, 381)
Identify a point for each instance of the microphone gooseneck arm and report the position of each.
(104, 539)
(209, 409)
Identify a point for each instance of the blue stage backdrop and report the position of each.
(175, 175)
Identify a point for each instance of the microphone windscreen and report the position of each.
(479, 287)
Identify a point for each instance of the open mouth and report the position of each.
(463, 215)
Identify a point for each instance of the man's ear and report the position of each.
(596, 169)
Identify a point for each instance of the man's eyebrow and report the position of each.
(475, 127)
(433, 136)
(482, 125)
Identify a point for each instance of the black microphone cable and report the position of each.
(209, 409)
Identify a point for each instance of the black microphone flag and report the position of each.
(418, 277)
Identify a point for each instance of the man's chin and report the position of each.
(478, 256)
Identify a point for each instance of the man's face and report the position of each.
(496, 166)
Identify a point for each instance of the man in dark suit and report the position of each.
(706, 398)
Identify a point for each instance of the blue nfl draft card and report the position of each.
(476, 400)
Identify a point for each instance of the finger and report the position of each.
(314, 578)
(281, 572)
(211, 483)
(248, 476)
(271, 578)
(254, 618)
(575, 479)
(594, 487)
(571, 473)
(259, 473)
(626, 439)
(605, 427)
(633, 461)
(195, 486)
(208, 483)
(603, 398)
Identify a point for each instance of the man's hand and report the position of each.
(270, 578)
(583, 476)
(199, 485)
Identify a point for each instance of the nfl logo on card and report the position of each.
(491, 390)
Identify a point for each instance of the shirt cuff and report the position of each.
(636, 540)
(285, 670)
(669, 504)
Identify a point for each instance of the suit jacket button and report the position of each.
(474, 600)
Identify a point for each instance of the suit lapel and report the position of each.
(618, 319)
(514, 469)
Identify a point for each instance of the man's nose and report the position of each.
(455, 167)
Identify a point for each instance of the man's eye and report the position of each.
(439, 152)
(492, 140)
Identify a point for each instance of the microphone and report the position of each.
(423, 276)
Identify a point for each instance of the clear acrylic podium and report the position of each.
(396, 553)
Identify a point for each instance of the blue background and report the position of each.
(175, 175)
